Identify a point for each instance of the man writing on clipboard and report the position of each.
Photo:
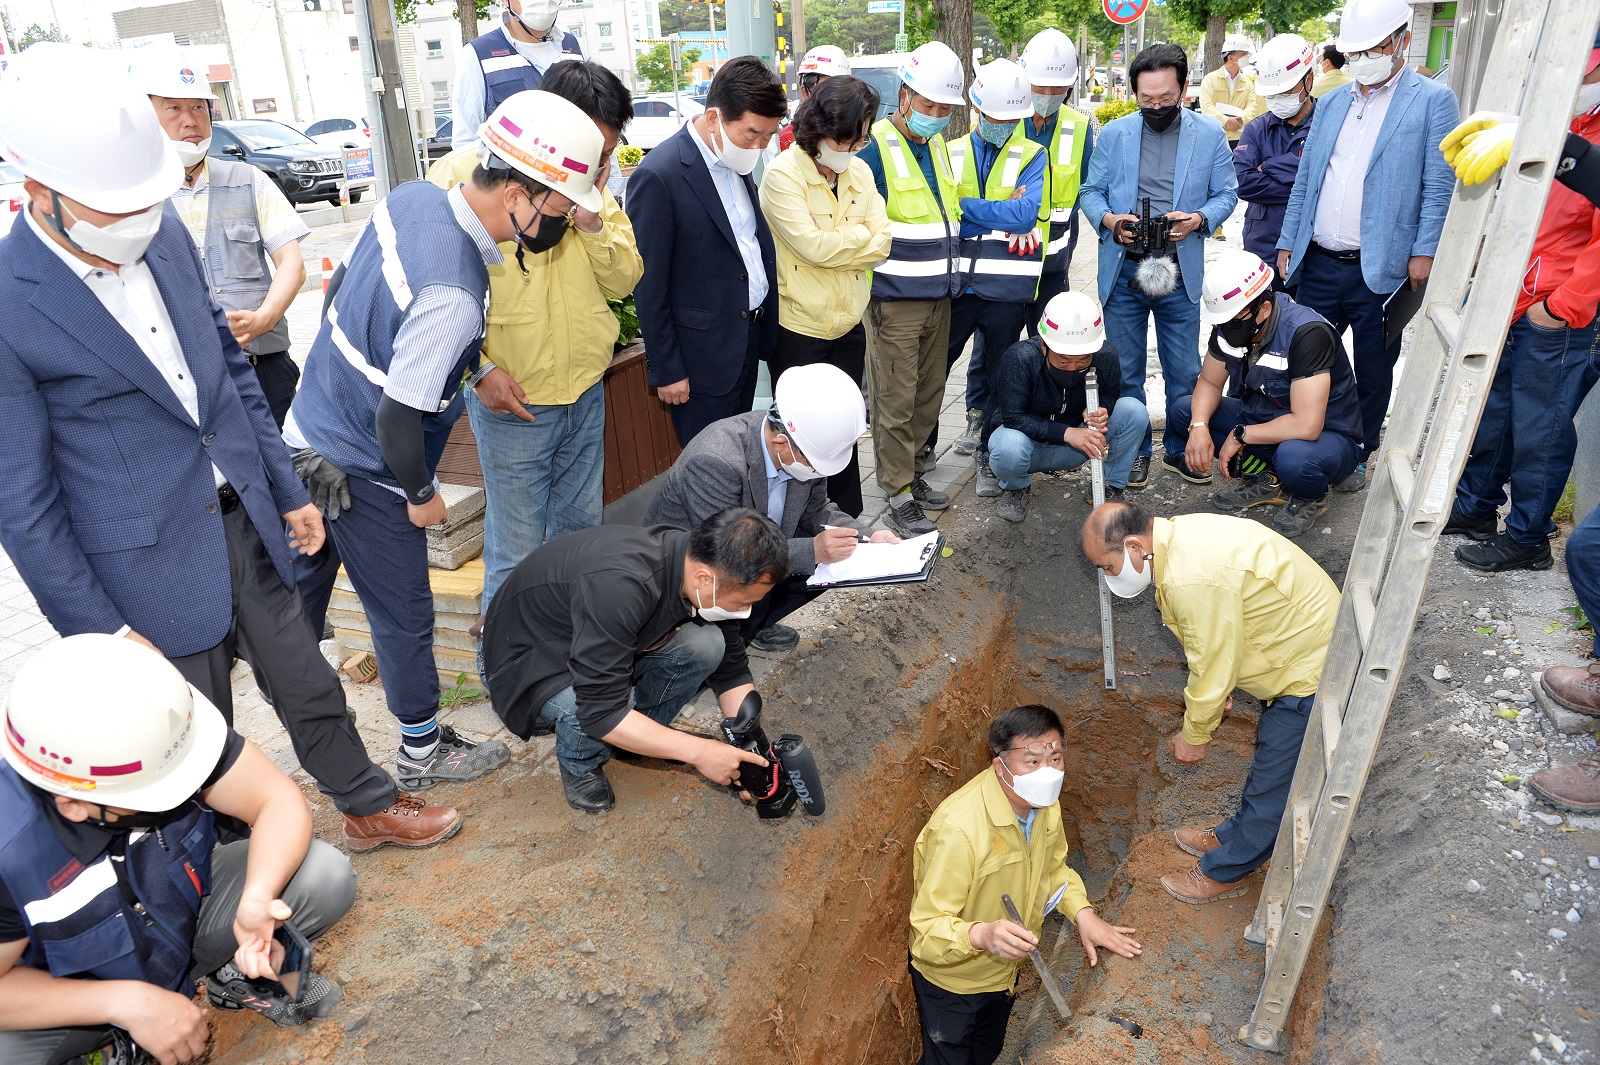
(778, 462)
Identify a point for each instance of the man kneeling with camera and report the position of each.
(115, 895)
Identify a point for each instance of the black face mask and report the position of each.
(1240, 332)
(550, 230)
(1067, 379)
(136, 821)
(1159, 118)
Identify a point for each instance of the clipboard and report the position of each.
(929, 556)
(1399, 309)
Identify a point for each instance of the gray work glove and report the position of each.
(327, 483)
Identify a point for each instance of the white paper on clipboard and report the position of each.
(871, 562)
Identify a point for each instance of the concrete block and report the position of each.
(454, 552)
(462, 503)
(1567, 721)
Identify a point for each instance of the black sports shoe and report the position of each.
(1483, 528)
(1503, 553)
(1180, 466)
(1139, 476)
(773, 640)
(230, 989)
(590, 792)
(455, 759)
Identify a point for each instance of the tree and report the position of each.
(1315, 30)
(36, 33)
(1213, 16)
(482, 11)
(1281, 16)
(1012, 20)
(655, 66)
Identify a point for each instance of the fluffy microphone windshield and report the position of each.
(1157, 276)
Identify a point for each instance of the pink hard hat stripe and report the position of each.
(15, 735)
(115, 770)
(574, 165)
(510, 126)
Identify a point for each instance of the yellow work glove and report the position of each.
(1480, 145)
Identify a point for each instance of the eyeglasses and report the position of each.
(1382, 50)
(1053, 753)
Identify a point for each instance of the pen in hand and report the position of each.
(861, 538)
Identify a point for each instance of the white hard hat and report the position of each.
(934, 71)
(1050, 59)
(547, 138)
(109, 721)
(825, 59)
(166, 72)
(72, 120)
(1073, 324)
(1236, 42)
(1234, 280)
(1000, 91)
(1367, 22)
(1282, 63)
(822, 412)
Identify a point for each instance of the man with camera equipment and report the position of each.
(603, 635)
(965, 953)
(115, 896)
(1159, 182)
(1290, 423)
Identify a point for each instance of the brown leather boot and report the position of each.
(1570, 787)
(408, 823)
(1574, 687)
(1196, 887)
(1197, 841)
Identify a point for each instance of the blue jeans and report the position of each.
(1526, 436)
(543, 478)
(1305, 467)
(1014, 455)
(663, 681)
(1177, 344)
(387, 559)
(1337, 291)
(1250, 834)
(1583, 567)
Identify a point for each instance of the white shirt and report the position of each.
(741, 214)
(129, 294)
(1337, 222)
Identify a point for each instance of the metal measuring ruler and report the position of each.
(1097, 478)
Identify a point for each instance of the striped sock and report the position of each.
(420, 738)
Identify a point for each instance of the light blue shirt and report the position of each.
(1027, 826)
(741, 214)
(777, 482)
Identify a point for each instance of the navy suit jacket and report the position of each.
(694, 292)
(110, 510)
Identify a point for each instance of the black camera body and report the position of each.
(791, 773)
(1148, 236)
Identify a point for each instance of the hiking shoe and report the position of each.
(1575, 687)
(1013, 506)
(1299, 515)
(773, 640)
(408, 823)
(1570, 787)
(1196, 888)
(1255, 491)
(928, 497)
(230, 989)
(967, 442)
(988, 483)
(1503, 553)
(906, 518)
(1139, 476)
(589, 792)
(1113, 494)
(1459, 524)
(453, 761)
(1196, 841)
(1180, 466)
(1355, 482)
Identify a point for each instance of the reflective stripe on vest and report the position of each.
(988, 265)
(507, 71)
(234, 255)
(924, 229)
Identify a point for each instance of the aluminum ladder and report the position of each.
(1533, 72)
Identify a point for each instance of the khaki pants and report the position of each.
(906, 371)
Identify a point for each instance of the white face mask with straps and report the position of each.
(1129, 582)
(715, 612)
(122, 242)
(538, 16)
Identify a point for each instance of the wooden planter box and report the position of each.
(640, 439)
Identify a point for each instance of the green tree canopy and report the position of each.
(655, 66)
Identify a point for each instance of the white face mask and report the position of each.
(538, 16)
(715, 612)
(123, 241)
(1369, 70)
(797, 469)
(190, 154)
(1588, 99)
(740, 160)
(1038, 789)
(1285, 105)
(833, 159)
(1130, 582)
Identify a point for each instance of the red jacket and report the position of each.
(1564, 270)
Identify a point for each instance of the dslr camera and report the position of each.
(791, 774)
(1148, 236)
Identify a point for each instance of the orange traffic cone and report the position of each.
(327, 272)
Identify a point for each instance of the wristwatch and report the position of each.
(1238, 432)
(1197, 425)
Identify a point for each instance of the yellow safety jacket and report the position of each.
(991, 270)
(924, 229)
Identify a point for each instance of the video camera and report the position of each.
(792, 772)
(1148, 236)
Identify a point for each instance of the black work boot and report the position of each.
(1503, 553)
(590, 792)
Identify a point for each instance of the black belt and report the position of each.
(1341, 256)
(755, 315)
(228, 498)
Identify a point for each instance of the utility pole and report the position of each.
(288, 64)
(393, 157)
(797, 49)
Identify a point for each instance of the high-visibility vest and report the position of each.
(1062, 181)
(924, 255)
(990, 268)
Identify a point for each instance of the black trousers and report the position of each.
(787, 596)
(961, 1029)
(996, 327)
(848, 353)
(702, 408)
(278, 376)
(272, 631)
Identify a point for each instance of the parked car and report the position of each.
(657, 117)
(437, 146)
(341, 132)
(305, 170)
(882, 72)
(12, 199)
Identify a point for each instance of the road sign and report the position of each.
(677, 60)
(902, 42)
(882, 7)
(1116, 57)
(1123, 12)
(357, 163)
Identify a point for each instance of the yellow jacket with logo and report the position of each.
(827, 240)
(1214, 90)
(551, 328)
(970, 853)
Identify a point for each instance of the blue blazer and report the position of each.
(693, 294)
(1204, 181)
(110, 510)
(1408, 185)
